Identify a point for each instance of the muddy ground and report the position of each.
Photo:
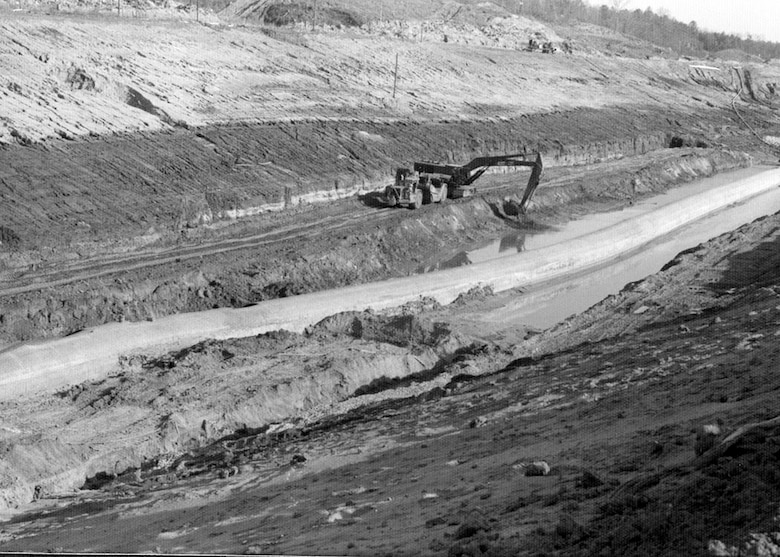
(237, 164)
(447, 467)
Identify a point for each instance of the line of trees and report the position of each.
(657, 28)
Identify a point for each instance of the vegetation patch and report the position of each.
(296, 12)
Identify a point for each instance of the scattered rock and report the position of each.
(9, 238)
(479, 421)
(20, 137)
(747, 342)
(478, 293)
(759, 545)
(537, 468)
(354, 491)
(706, 437)
(589, 480)
(569, 529)
(482, 544)
(77, 78)
(467, 530)
(718, 549)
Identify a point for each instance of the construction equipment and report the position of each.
(433, 182)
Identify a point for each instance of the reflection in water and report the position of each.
(514, 241)
(458, 260)
(523, 240)
(547, 304)
(518, 241)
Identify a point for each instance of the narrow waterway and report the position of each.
(545, 305)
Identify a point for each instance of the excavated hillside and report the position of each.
(141, 178)
(153, 164)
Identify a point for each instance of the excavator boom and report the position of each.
(466, 174)
(439, 181)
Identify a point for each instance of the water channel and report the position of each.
(546, 305)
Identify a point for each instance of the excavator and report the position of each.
(431, 182)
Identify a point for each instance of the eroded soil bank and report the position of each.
(312, 248)
(610, 400)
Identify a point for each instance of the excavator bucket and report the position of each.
(533, 183)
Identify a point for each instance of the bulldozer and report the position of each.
(431, 182)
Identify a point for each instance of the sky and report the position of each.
(760, 18)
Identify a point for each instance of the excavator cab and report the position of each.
(405, 190)
(405, 177)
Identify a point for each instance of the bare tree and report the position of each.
(618, 5)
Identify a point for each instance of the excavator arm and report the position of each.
(533, 183)
(466, 174)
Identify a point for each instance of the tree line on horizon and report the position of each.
(657, 28)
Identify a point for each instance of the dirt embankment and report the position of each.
(73, 198)
(170, 405)
(614, 422)
(392, 243)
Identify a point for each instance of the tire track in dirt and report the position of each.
(134, 262)
(107, 265)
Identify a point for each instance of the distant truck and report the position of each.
(433, 182)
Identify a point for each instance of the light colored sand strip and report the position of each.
(48, 366)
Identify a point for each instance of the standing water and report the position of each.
(548, 304)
